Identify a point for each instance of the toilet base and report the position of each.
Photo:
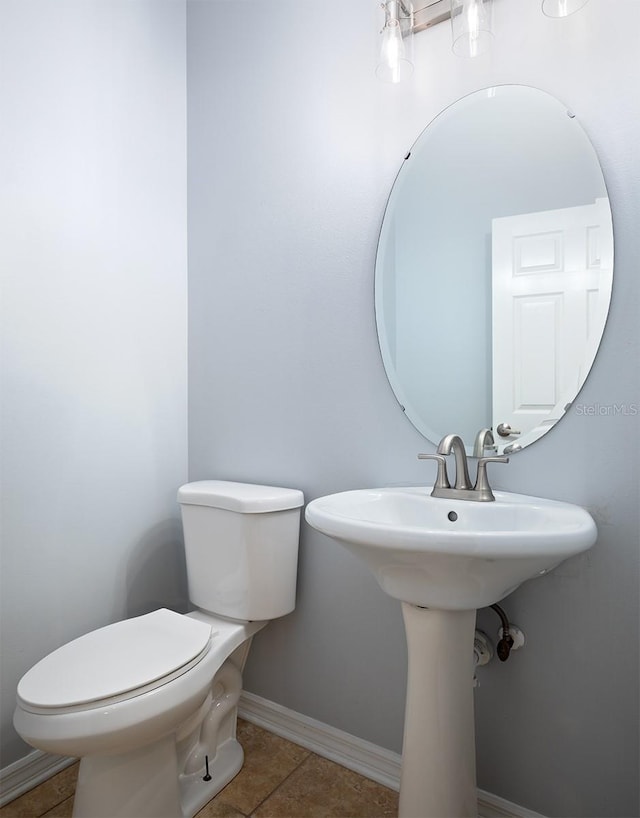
(137, 783)
(195, 792)
(166, 779)
(128, 784)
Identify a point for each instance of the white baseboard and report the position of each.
(352, 752)
(26, 773)
(356, 754)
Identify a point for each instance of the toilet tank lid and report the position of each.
(245, 498)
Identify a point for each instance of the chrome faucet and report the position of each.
(484, 440)
(462, 489)
(453, 443)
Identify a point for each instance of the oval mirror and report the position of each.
(494, 268)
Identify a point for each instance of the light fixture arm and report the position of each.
(396, 12)
(412, 20)
(430, 14)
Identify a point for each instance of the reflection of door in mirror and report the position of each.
(551, 276)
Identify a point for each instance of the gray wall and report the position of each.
(293, 147)
(93, 263)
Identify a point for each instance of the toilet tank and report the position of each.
(241, 547)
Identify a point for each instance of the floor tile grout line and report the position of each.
(309, 755)
(65, 798)
(59, 804)
(5, 809)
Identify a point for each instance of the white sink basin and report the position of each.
(452, 554)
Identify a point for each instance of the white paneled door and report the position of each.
(551, 287)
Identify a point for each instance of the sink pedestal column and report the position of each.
(438, 777)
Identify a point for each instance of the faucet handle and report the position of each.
(482, 481)
(505, 430)
(442, 479)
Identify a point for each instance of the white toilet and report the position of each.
(149, 704)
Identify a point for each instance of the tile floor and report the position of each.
(279, 780)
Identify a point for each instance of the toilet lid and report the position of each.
(115, 659)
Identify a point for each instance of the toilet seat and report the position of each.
(117, 662)
(137, 717)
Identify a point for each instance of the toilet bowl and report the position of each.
(149, 704)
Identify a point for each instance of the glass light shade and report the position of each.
(393, 65)
(562, 8)
(471, 27)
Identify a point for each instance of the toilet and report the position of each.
(149, 704)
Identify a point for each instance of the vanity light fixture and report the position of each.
(394, 64)
(471, 28)
(562, 8)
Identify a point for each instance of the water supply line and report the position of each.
(503, 648)
(510, 638)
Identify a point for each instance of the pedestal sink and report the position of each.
(444, 559)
